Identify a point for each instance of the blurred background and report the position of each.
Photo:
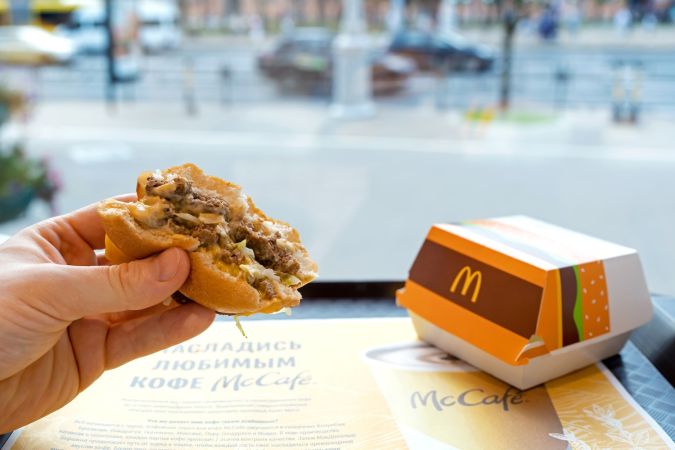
(361, 122)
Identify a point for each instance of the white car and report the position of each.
(160, 28)
(87, 30)
(32, 46)
(158, 20)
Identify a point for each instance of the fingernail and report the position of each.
(168, 264)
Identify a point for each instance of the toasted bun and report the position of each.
(220, 291)
(130, 240)
(216, 285)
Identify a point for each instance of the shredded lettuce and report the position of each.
(285, 310)
(239, 327)
(241, 245)
(242, 249)
(248, 253)
(290, 280)
(252, 272)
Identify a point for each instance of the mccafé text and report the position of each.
(270, 379)
(470, 397)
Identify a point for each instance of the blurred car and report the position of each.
(159, 28)
(450, 51)
(304, 59)
(32, 46)
(86, 28)
(160, 25)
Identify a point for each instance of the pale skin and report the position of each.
(67, 315)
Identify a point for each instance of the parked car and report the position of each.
(450, 51)
(32, 46)
(158, 26)
(304, 59)
(86, 29)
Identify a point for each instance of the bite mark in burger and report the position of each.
(242, 262)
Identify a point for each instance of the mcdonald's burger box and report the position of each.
(522, 299)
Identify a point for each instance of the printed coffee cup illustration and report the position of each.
(441, 402)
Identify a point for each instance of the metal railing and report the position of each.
(648, 83)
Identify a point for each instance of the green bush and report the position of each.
(23, 179)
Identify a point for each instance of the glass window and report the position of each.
(566, 117)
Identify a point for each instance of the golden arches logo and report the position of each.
(469, 277)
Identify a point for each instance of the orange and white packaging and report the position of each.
(524, 300)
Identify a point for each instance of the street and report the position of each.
(545, 75)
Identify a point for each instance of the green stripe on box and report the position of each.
(568, 294)
(578, 306)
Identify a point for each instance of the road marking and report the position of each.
(306, 143)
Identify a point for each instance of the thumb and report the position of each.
(130, 286)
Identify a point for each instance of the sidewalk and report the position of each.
(286, 125)
(588, 37)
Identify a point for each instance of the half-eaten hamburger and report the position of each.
(242, 262)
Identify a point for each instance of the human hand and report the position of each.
(67, 316)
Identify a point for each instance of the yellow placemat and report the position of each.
(329, 384)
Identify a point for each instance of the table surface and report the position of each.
(635, 372)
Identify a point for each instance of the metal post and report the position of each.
(635, 92)
(352, 90)
(447, 18)
(189, 87)
(396, 16)
(20, 12)
(445, 25)
(443, 85)
(561, 79)
(111, 75)
(226, 88)
(618, 92)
